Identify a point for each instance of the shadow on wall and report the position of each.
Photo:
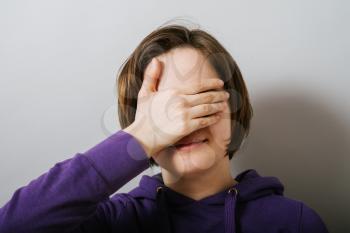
(298, 138)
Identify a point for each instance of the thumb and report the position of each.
(151, 77)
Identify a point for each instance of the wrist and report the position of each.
(137, 132)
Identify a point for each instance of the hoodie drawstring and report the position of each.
(230, 210)
(163, 216)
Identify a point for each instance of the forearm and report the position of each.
(69, 192)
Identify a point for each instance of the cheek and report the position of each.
(221, 131)
(220, 136)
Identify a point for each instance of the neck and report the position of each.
(201, 184)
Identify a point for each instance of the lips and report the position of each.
(190, 142)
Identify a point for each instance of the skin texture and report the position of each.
(204, 170)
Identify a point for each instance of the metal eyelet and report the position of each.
(159, 188)
(233, 189)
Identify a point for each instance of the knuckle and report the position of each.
(204, 108)
(182, 103)
(209, 98)
(184, 116)
(200, 86)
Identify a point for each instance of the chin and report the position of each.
(186, 162)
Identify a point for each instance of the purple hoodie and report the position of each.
(75, 196)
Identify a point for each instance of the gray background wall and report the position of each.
(59, 60)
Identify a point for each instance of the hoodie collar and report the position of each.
(250, 186)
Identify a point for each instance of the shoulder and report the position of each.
(277, 203)
(124, 211)
(117, 210)
(113, 206)
(310, 220)
(129, 205)
(289, 213)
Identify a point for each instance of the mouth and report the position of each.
(190, 146)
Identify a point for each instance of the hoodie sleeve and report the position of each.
(70, 194)
(310, 221)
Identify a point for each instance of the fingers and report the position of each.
(207, 97)
(206, 109)
(151, 77)
(203, 122)
(209, 84)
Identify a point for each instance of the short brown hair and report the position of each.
(162, 40)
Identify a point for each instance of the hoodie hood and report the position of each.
(250, 186)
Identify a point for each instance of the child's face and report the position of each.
(182, 66)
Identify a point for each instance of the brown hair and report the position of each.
(162, 40)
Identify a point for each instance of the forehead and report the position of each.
(184, 66)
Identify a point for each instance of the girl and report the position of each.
(183, 106)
